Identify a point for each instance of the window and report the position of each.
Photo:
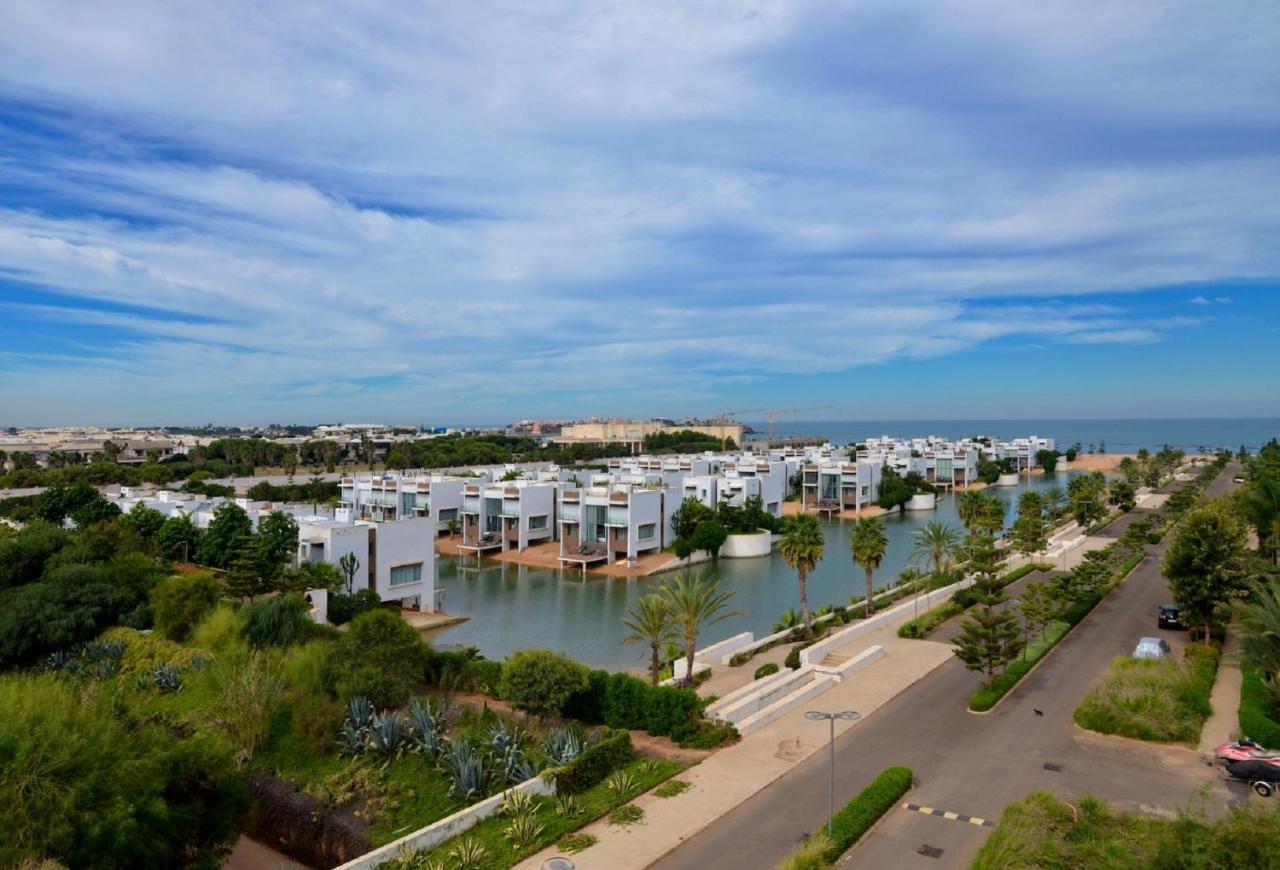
(447, 514)
(402, 574)
(538, 523)
(647, 531)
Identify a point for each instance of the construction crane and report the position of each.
(773, 415)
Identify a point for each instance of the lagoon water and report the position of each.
(515, 607)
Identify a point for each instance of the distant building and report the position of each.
(633, 432)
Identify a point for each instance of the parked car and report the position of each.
(1238, 480)
(1152, 648)
(1170, 617)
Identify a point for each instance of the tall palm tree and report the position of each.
(802, 546)
(696, 603)
(969, 506)
(1053, 502)
(935, 544)
(651, 621)
(867, 541)
(1258, 623)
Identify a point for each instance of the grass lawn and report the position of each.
(1165, 700)
(1040, 831)
(501, 851)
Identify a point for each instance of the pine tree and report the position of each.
(989, 640)
(243, 581)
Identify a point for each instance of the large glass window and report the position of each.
(538, 523)
(447, 514)
(402, 574)
(647, 531)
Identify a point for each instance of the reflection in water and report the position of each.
(516, 607)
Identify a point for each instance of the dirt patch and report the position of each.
(660, 747)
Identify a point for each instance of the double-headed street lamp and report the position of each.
(818, 716)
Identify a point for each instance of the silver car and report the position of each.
(1152, 648)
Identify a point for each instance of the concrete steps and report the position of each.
(835, 659)
(811, 688)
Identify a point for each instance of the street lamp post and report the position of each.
(831, 718)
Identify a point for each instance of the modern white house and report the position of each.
(507, 515)
(396, 496)
(397, 558)
(608, 523)
(836, 486)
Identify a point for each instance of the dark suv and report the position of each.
(1170, 617)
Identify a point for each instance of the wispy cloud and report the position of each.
(476, 210)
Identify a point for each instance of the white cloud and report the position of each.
(585, 201)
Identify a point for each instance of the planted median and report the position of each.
(852, 821)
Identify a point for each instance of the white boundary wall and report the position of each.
(437, 832)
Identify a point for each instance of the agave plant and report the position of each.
(468, 854)
(351, 739)
(501, 740)
(422, 718)
(621, 783)
(142, 681)
(166, 677)
(523, 830)
(465, 769)
(385, 734)
(429, 743)
(514, 767)
(517, 803)
(57, 661)
(360, 712)
(104, 668)
(563, 746)
(568, 805)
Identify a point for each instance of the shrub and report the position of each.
(142, 652)
(343, 608)
(766, 669)
(810, 855)
(540, 681)
(182, 601)
(593, 765)
(316, 719)
(709, 735)
(1258, 710)
(1163, 700)
(220, 631)
(871, 803)
(305, 668)
(588, 705)
(250, 692)
(280, 621)
(625, 700)
(793, 658)
(90, 788)
(380, 656)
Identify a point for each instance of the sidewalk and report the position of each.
(733, 775)
(1224, 722)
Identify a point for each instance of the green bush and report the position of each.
(343, 607)
(588, 705)
(593, 765)
(280, 621)
(182, 601)
(220, 630)
(766, 669)
(929, 620)
(380, 656)
(709, 734)
(1161, 700)
(1258, 710)
(540, 681)
(89, 786)
(871, 803)
(317, 719)
(793, 658)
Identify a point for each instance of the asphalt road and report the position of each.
(976, 764)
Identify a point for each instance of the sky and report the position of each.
(461, 213)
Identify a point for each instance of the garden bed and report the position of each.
(1163, 700)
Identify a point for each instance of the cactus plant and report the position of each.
(360, 712)
(501, 740)
(351, 739)
(465, 769)
(514, 767)
(422, 718)
(385, 735)
(166, 677)
(563, 746)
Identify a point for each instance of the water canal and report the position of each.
(514, 607)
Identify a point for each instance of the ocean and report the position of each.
(1118, 436)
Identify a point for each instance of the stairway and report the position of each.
(835, 659)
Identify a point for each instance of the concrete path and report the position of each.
(730, 777)
(1224, 723)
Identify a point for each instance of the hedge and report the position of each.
(959, 602)
(861, 813)
(766, 669)
(593, 764)
(623, 701)
(1258, 710)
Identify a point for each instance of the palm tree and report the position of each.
(651, 621)
(802, 546)
(696, 603)
(1053, 502)
(1259, 626)
(867, 541)
(970, 507)
(935, 544)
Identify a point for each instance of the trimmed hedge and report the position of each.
(863, 811)
(963, 599)
(623, 701)
(593, 765)
(766, 669)
(1258, 710)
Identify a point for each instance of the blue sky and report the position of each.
(485, 211)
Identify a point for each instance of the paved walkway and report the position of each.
(1224, 723)
(733, 775)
